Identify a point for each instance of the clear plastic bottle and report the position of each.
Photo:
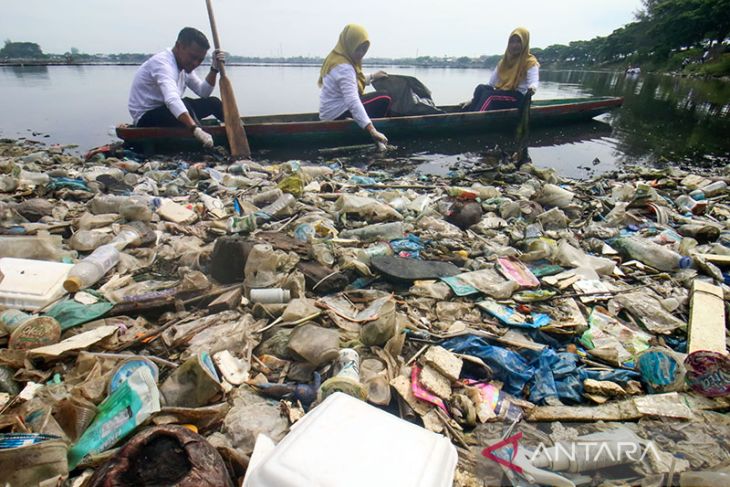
(92, 268)
(712, 189)
(267, 197)
(377, 231)
(652, 254)
(278, 207)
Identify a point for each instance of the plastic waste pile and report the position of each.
(167, 321)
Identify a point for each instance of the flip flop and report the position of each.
(400, 270)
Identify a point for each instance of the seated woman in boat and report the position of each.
(343, 84)
(517, 73)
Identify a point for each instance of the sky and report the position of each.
(397, 28)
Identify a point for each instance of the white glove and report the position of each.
(203, 137)
(217, 58)
(378, 137)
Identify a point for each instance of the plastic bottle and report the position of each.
(652, 254)
(127, 236)
(378, 231)
(107, 203)
(278, 207)
(92, 268)
(712, 189)
(267, 197)
(701, 232)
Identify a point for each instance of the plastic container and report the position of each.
(31, 284)
(346, 376)
(344, 441)
(652, 254)
(92, 268)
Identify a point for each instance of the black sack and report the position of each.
(408, 95)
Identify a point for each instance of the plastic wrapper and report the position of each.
(119, 414)
(367, 208)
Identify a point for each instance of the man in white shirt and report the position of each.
(155, 99)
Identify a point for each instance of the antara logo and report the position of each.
(575, 456)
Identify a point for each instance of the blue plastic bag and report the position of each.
(508, 366)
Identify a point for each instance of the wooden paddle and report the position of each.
(237, 140)
(523, 129)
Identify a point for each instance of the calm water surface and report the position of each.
(664, 119)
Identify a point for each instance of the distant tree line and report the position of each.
(21, 50)
(661, 29)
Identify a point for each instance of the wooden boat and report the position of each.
(306, 130)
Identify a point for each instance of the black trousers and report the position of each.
(198, 108)
(377, 105)
(487, 98)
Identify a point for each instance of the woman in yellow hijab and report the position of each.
(342, 84)
(517, 73)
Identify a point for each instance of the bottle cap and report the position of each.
(685, 262)
(72, 284)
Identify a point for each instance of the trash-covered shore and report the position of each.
(166, 321)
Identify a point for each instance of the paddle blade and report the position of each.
(237, 140)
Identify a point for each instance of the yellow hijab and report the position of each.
(351, 38)
(513, 69)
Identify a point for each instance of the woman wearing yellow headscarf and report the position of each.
(517, 73)
(343, 84)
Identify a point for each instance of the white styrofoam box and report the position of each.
(347, 442)
(31, 284)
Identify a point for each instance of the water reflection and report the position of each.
(664, 118)
(30, 74)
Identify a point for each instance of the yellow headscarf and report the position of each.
(513, 69)
(351, 38)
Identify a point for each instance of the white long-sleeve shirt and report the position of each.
(160, 82)
(532, 79)
(340, 93)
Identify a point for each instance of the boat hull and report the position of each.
(305, 130)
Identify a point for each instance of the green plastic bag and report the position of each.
(70, 313)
